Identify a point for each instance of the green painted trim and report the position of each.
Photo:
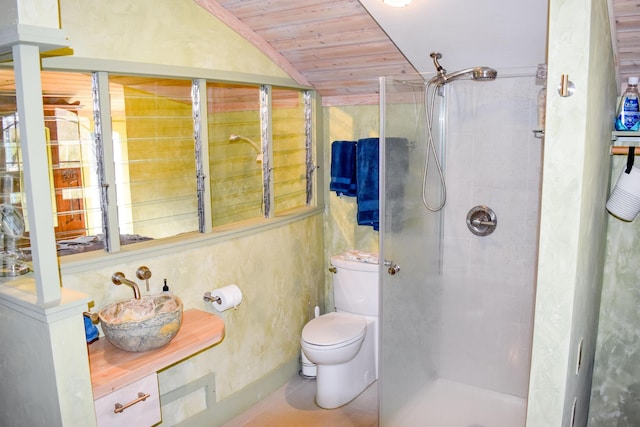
(207, 382)
(220, 412)
(319, 139)
(87, 261)
(140, 68)
(47, 39)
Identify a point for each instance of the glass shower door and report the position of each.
(409, 243)
(457, 306)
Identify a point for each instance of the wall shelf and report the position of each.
(112, 368)
(622, 140)
(625, 138)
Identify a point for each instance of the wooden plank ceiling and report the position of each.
(333, 45)
(627, 37)
(339, 49)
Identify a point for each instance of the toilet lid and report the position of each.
(334, 328)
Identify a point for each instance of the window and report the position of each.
(235, 153)
(14, 235)
(69, 123)
(152, 159)
(153, 150)
(289, 149)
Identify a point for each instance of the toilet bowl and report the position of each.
(343, 344)
(333, 338)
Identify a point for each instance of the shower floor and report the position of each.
(450, 404)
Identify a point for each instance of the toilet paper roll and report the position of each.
(229, 297)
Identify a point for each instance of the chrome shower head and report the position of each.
(484, 73)
(477, 73)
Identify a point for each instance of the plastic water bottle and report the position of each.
(628, 114)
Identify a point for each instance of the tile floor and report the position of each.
(293, 406)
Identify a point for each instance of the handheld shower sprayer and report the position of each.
(477, 73)
(437, 83)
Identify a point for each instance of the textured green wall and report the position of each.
(347, 123)
(280, 273)
(167, 32)
(341, 230)
(573, 219)
(615, 396)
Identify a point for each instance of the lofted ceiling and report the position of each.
(342, 47)
(333, 45)
(508, 35)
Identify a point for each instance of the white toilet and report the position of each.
(344, 344)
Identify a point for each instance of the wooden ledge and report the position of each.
(112, 368)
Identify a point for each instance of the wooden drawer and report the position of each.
(140, 414)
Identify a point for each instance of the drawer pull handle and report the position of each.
(120, 407)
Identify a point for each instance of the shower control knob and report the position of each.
(393, 269)
(482, 220)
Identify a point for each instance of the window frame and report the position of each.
(114, 252)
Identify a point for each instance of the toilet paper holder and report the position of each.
(210, 298)
(225, 298)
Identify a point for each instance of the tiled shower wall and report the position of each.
(493, 159)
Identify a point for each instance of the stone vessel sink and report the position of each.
(142, 324)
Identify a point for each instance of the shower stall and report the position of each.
(457, 304)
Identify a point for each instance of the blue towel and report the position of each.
(343, 168)
(367, 179)
(90, 330)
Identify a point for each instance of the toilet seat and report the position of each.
(334, 330)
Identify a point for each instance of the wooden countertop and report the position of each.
(112, 368)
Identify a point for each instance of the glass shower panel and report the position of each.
(410, 238)
(489, 280)
(459, 313)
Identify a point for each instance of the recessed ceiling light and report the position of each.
(397, 3)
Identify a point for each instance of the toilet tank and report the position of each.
(355, 283)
